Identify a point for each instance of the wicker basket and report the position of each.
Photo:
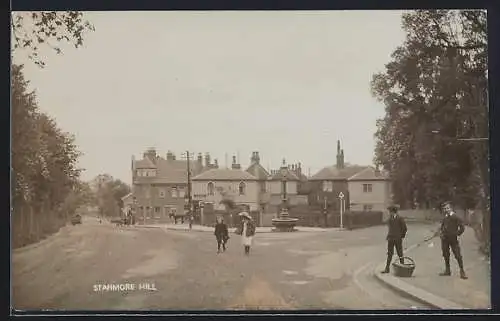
(405, 269)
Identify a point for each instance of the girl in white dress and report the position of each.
(247, 231)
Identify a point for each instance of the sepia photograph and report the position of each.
(250, 160)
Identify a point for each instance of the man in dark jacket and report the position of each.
(396, 233)
(451, 228)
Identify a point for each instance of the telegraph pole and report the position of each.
(190, 200)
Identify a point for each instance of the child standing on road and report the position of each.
(221, 234)
(246, 230)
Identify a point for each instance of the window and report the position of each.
(242, 188)
(367, 188)
(161, 193)
(327, 186)
(173, 192)
(157, 211)
(211, 188)
(367, 207)
(263, 187)
(182, 193)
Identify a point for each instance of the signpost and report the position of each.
(341, 197)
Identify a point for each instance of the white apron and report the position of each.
(246, 240)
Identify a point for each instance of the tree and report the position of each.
(30, 30)
(44, 172)
(45, 179)
(109, 193)
(435, 90)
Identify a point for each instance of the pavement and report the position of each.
(84, 266)
(202, 228)
(440, 292)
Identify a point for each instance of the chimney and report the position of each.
(151, 154)
(235, 165)
(207, 160)
(200, 159)
(377, 171)
(341, 158)
(300, 169)
(216, 163)
(255, 158)
(170, 156)
(133, 163)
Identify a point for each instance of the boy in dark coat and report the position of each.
(221, 234)
(396, 233)
(451, 228)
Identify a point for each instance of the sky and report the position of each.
(288, 84)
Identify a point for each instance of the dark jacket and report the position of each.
(250, 228)
(451, 227)
(221, 231)
(397, 228)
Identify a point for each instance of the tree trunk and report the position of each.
(31, 224)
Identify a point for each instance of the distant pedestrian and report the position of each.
(221, 234)
(191, 219)
(396, 233)
(247, 230)
(451, 228)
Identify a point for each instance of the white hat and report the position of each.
(245, 214)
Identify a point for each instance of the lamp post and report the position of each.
(284, 207)
(325, 213)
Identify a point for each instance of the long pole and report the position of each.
(325, 213)
(189, 182)
(341, 213)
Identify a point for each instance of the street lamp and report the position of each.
(284, 172)
(325, 212)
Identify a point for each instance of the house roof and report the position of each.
(170, 171)
(369, 174)
(145, 163)
(290, 176)
(224, 174)
(258, 171)
(332, 173)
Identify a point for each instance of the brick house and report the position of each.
(160, 184)
(218, 184)
(326, 185)
(369, 190)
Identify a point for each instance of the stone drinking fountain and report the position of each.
(284, 223)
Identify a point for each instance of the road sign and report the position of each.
(341, 195)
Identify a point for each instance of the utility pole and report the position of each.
(190, 200)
